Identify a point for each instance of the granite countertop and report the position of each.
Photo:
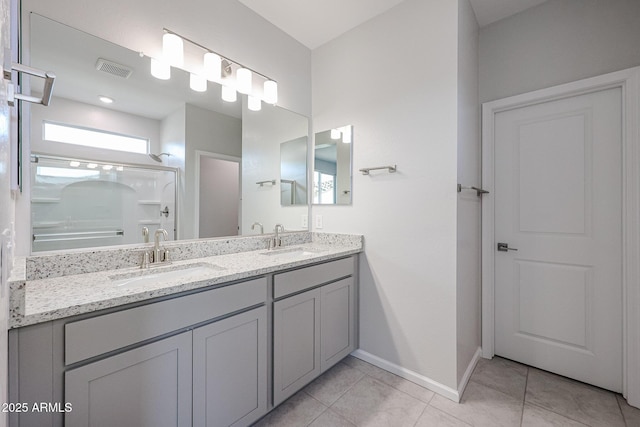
(41, 300)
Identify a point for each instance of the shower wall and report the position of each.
(79, 203)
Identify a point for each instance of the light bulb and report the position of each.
(346, 134)
(197, 83)
(270, 92)
(160, 69)
(91, 165)
(229, 94)
(243, 80)
(74, 164)
(212, 67)
(335, 133)
(172, 49)
(107, 167)
(105, 99)
(254, 104)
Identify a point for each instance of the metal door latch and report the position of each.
(504, 247)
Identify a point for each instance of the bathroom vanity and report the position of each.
(217, 340)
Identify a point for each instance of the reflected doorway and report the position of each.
(218, 195)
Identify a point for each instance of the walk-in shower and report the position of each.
(84, 203)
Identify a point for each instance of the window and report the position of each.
(324, 188)
(94, 138)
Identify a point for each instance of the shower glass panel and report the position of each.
(80, 204)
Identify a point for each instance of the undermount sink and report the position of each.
(153, 274)
(294, 252)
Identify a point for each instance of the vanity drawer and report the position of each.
(97, 335)
(308, 277)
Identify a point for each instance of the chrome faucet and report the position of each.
(145, 234)
(277, 241)
(259, 225)
(159, 255)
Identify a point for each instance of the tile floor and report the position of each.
(500, 393)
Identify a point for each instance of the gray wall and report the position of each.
(403, 113)
(558, 42)
(468, 235)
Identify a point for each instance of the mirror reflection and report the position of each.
(218, 149)
(332, 166)
(293, 172)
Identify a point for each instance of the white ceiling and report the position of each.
(315, 22)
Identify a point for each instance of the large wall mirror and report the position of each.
(332, 166)
(212, 153)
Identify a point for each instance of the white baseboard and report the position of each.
(467, 374)
(410, 375)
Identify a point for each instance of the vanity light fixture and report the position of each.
(160, 69)
(229, 94)
(212, 66)
(105, 99)
(270, 92)
(254, 103)
(216, 68)
(197, 83)
(244, 82)
(173, 49)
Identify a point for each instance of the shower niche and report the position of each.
(83, 203)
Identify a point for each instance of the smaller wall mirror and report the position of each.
(332, 166)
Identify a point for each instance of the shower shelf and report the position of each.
(45, 200)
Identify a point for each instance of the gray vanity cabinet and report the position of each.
(230, 370)
(149, 386)
(338, 324)
(314, 323)
(296, 343)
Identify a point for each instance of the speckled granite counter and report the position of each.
(43, 293)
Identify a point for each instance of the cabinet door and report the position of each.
(230, 370)
(338, 314)
(296, 343)
(148, 386)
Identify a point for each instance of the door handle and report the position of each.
(504, 247)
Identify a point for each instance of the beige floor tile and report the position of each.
(334, 383)
(361, 365)
(482, 406)
(406, 386)
(631, 414)
(432, 417)
(534, 416)
(503, 375)
(587, 404)
(371, 403)
(330, 419)
(299, 410)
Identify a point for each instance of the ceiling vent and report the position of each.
(113, 68)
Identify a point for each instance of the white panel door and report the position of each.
(558, 201)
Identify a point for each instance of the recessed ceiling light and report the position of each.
(105, 99)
